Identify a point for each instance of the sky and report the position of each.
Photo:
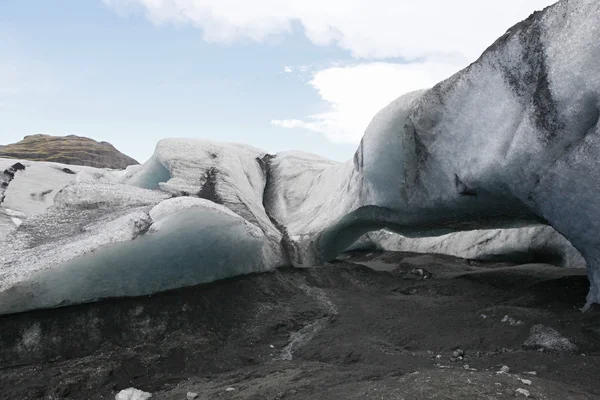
(276, 74)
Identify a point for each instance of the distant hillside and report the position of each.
(70, 149)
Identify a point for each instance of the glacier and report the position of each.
(500, 157)
(535, 244)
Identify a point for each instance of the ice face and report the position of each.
(230, 174)
(192, 246)
(509, 140)
(533, 244)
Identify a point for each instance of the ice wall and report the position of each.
(511, 141)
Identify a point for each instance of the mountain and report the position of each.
(71, 149)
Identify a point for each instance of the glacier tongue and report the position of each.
(512, 141)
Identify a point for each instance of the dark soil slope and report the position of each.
(370, 326)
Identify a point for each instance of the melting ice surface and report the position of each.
(192, 246)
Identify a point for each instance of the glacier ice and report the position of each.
(229, 174)
(531, 244)
(199, 244)
(477, 165)
(34, 186)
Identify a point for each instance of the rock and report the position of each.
(504, 369)
(522, 392)
(7, 177)
(458, 353)
(132, 394)
(76, 150)
(511, 321)
(420, 272)
(230, 389)
(525, 382)
(542, 338)
(192, 395)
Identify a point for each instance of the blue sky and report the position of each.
(304, 76)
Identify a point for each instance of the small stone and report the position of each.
(466, 366)
(424, 274)
(523, 392)
(230, 389)
(531, 373)
(439, 356)
(132, 394)
(525, 382)
(271, 346)
(191, 395)
(458, 353)
(504, 369)
(511, 321)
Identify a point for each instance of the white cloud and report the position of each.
(437, 37)
(368, 28)
(355, 94)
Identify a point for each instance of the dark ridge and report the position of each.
(421, 151)
(529, 79)
(463, 189)
(142, 228)
(7, 176)
(286, 242)
(265, 163)
(359, 160)
(18, 167)
(40, 195)
(591, 114)
(209, 188)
